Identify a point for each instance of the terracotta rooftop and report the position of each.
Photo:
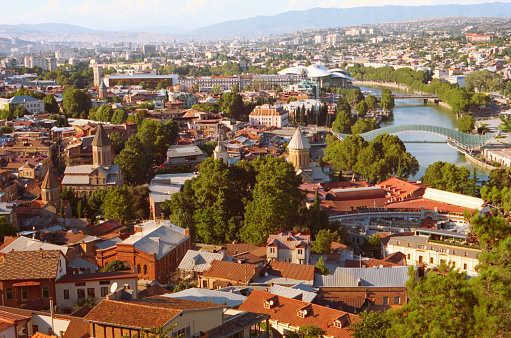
(30, 265)
(292, 270)
(417, 204)
(148, 312)
(233, 271)
(70, 278)
(285, 311)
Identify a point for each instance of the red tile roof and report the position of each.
(285, 310)
(417, 204)
(233, 271)
(70, 278)
(292, 270)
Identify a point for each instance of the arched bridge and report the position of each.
(465, 141)
(408, 96)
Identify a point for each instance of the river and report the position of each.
(416, 112)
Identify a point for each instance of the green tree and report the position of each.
(466, 124)
(343, 122)
(119, 117)
(371, 102)
(115, 265)
(387, 100)
(354, 96)
(6, 228)
(446, 176)
(372, 245)
(315, 218)
(440, 305)
(140, 198)
(117, 142)
(6, 130)
(479, 99)
(76, 102)
(183, 286)
(362, 109)
(323, 241)
(363, 126)
(231, 104)
(344, 154)
(50, 105)
(20, 111)
(134, 162)
(372, 324)
(118, 204)
(6, 114)
(321, 266)
(276, 200)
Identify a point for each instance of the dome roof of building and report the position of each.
(316, 66)
(220, 148)
(298, 70)
(317, 72)
(299, 141)
(344, 76)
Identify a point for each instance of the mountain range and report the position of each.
(258, 26)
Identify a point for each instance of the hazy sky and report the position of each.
(121, 14)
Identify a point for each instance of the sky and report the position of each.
(187, 14)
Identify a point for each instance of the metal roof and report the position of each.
(291, 292)
(299, 141)
(383, 277)
(202, 295)
(199, 260)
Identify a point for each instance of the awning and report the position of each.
(26, 284)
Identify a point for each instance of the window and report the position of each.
(337, 324)
(454, 252)
(80, 284)
(80, 293)
(272, 250)
(145, 269)
(431, 260)
(385, 300)
(442, 261)
(24, 294)
(396, 300)
(35, 328)
(66, 294)
(91, 293)
(8, 293)
(300, 251)
(127, 286)
(104, 291)
(46, 292)
(104, 282)
(408, 256)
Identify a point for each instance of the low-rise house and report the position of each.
(162, 188)
(71, 288)
(205, 295)
(396, 276)
(11, 324)
(423, 251)
(184, 155)
(27, 276)
(288, 314)
(196, 262)
(115, 319)
(222, 274)
(292, 247)
(286, 274)
(153, 251)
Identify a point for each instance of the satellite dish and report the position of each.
(271, 302)
(305, 312)
(113, 287)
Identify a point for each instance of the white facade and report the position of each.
(270, 116)
(419, 251)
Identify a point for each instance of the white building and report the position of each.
(32, 105)
(269, 116)
(289, 247)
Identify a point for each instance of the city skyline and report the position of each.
(126, 14)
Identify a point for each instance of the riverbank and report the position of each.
(395, 85)
(474, 160)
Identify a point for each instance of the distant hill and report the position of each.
(62, 28)
(341, 17)
(258, 26)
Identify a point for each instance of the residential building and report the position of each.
(196, 262)
(222, 274)
(230, 299)
(396, 276)
(28, 148)
(289, 247)
(423, 251)
(70, 288)
(27, 276)
(474, 37)
(153, 252)
(11, 324)
(116, 319)
(33, 106)
(162, 188)
(269, 116)
(184, 155)
(286, 274)
(288, 314)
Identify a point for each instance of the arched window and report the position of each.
(145, 269)
(139, 269)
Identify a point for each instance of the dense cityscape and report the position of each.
(295, 181)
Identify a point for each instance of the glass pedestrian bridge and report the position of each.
(467, 142)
